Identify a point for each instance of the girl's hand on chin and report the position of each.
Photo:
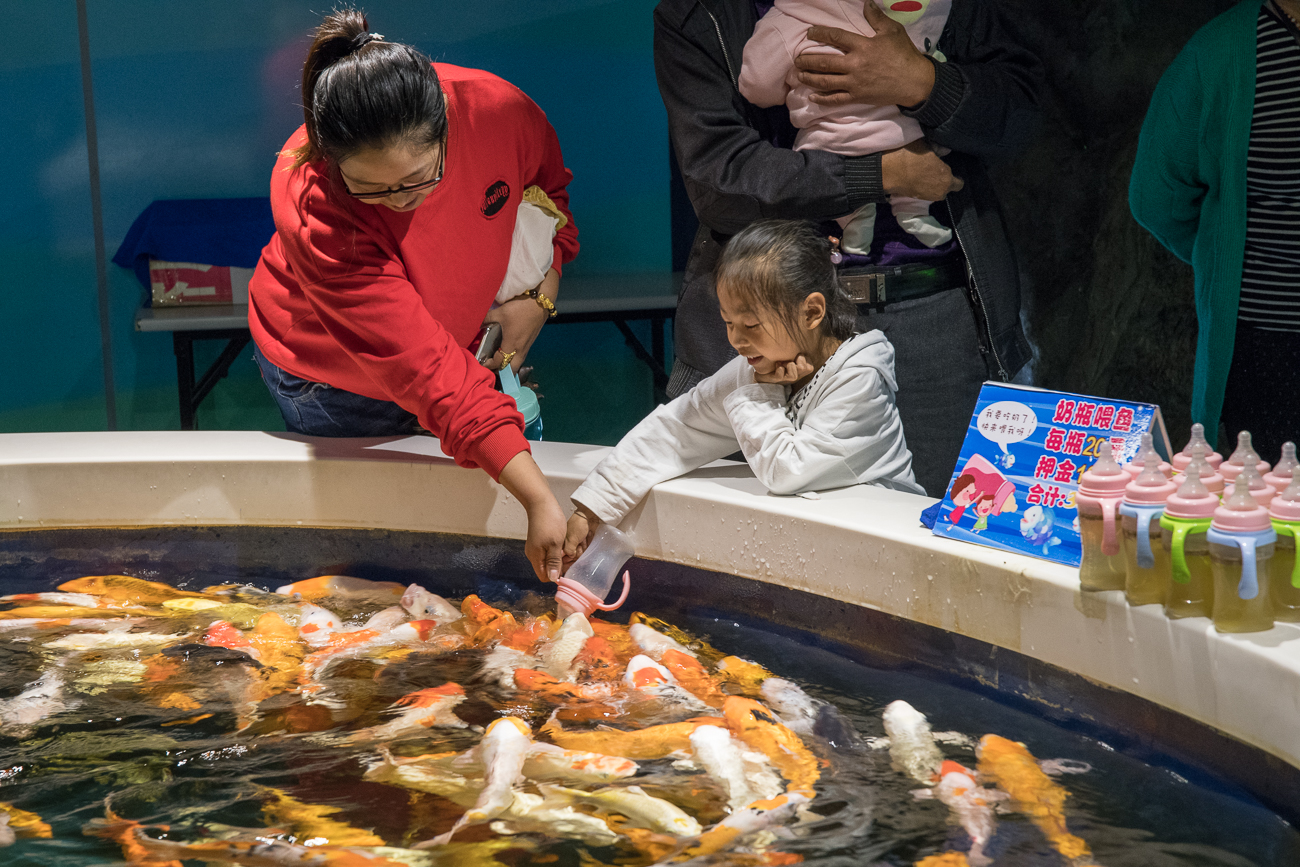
(790, 371)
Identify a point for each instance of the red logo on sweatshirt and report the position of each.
(494, 199)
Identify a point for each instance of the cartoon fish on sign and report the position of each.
(1037, 527)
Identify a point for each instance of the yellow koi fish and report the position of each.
(25, 823)
(743, 676)
(1013, 769)
(125, 589)
(312, 821)
(344, 587)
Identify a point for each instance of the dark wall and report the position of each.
(1109, 310)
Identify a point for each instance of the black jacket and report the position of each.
(738, 167)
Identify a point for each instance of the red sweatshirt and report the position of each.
(384, 304)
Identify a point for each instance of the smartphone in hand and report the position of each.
(487, 343)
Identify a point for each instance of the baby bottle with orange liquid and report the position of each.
(1284, 568)
(1146, 561)
(1135, 467)
(1185, 521)
(1280, 476)
(1245, 451)
(1183, 458)
(1242, 541)
(1101, 490)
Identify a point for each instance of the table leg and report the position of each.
(655, 364)
(183, 346)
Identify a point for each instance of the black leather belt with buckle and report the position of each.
(877, 286)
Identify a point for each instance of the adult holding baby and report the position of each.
(952, 310)
(395, 210)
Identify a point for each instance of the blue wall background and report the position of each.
(193, 99)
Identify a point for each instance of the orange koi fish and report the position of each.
(597, 661)
(581, 701)
(527, 637)
(63, 612)
(655, 742)
(759, 730)
(25, 823)
(276, 645)
(127, 833)
(163, 677)
(692, 675)
(618, 638)
(1010, 765)
(313, 822)
(125, 589)
(946, 859)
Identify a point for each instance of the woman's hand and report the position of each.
(521, 320)
(791, 371)
(544, 546)
(582, 526)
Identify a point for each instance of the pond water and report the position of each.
(189, 742)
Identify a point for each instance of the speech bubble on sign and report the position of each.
(1006, 422)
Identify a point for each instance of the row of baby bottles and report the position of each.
(1190, 542)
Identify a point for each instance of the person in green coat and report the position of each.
(1217, 181)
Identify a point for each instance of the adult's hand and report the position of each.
(544, 545)
(917, 172)
(885, 69)
(521, 320)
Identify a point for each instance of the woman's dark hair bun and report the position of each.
(359, 92)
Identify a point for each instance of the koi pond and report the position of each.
(373, 699)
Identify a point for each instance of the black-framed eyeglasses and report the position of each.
(410, 188)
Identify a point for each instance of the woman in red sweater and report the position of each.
(394, 208)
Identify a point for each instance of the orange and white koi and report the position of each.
(755, 725)
(416, 713)
(970, 804)
(316, 625)
(365, 642)
(259, 852)
(651, 678)
(544, 762)
(655, 742)
(693, 676)
(758, 816)
(598, 661)
(501, 662)
(81, 600)
(722, 757)
(911, 745)
(343, 587)
(1010, 766)
(502, 751)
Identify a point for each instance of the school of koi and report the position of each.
(575, 710)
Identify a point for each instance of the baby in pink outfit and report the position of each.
(768, 77)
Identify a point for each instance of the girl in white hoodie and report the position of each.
(809, 402)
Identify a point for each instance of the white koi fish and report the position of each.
(756, 817)
(796, 709)
(81, 600)
(534, 814)
(500, 663)
(503, 750)
(640, 809)
(719, 754)
(387, 620)
(113, 640)
(85, 624)
(423, 605)
(972, 805)
(558, 653)
(911, 746)
(416, 713)
(653, 679)
(42, 699)
(654, 642)
(544, 762)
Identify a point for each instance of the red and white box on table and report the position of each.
(186, 284)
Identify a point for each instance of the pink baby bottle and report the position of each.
(1280, 476)
(1200, 466)
(1242, 540)
(1101, 490)
(1232, 466)
(1183, 458)
(1187, 518)
(1284, 568)
(1135, 467)
(1146, 562)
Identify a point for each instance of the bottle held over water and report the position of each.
(1284, 568)
(1101, 490)
(1186, 519)
(1183, 458)
(1245, 452)
(1242, 540)
(588, 581)
(1146, 561)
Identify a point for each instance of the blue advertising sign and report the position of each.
(1014, 484)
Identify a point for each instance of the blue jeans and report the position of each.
(317, 409)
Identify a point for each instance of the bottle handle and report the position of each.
(1177, 552)
(1109, 542)
(1248, 588)
(627, 583)
(1145, 559)
(1284, 530)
